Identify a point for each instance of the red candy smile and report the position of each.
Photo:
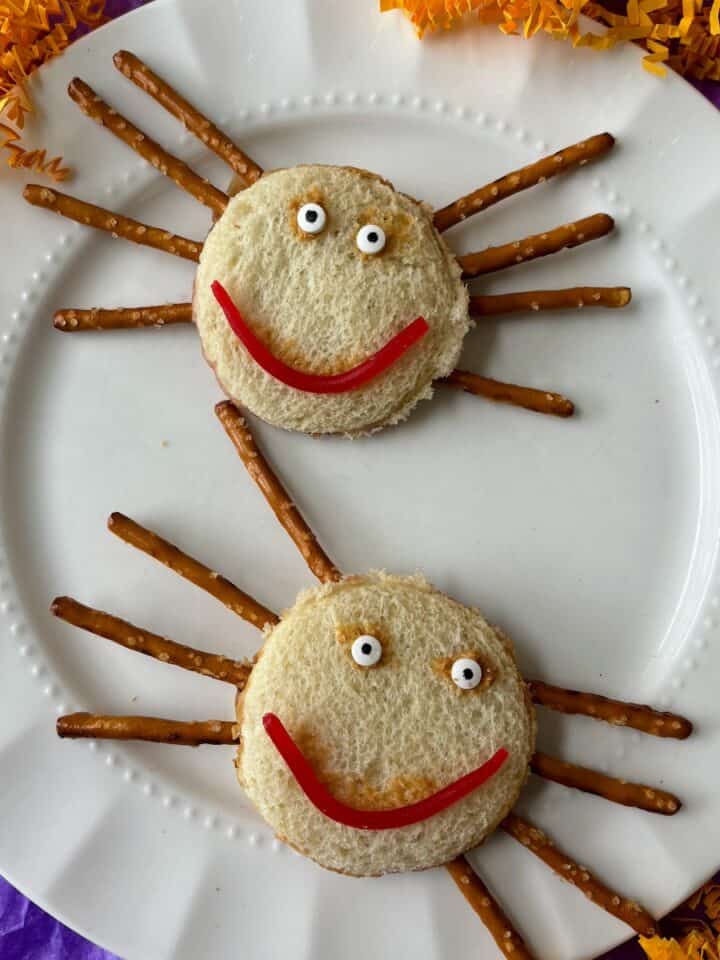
(374, 819)
(351, 379)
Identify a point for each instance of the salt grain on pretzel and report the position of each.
(488, 909)
(179, 172)
(540, 401)
(194, 121)
(576, 155)
(136, 638)
(102, 727)
(75, 321)
(569, 299)
(113, 223)
(171, 556)
(275, 494)
(636, 715)
(539, 245)
(536, 842)
(609, 788)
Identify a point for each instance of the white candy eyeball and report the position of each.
(311, 218)
(370, 238)
(466, 673)
(366, 650)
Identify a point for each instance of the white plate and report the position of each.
(592, 541)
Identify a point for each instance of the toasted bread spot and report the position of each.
(442, 666)
(356, 791)
(396, 226)
(290, 352)
(312, 195)
(399, 792)
(347, 633)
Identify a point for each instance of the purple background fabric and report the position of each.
(26, 931)
(711, 89)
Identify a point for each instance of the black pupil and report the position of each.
(311, 216)
(467, 673)
(372, 237)
(366, 649)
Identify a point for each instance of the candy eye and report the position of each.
(366, 650)
(311, 218)
(370, 238)
(466, 673)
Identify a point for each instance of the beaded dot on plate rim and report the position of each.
(40, 278)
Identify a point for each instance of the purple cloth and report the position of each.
(26, 931)
(710, 89)
(115, 8)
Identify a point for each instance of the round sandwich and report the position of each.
(327, 302)
(384, 727)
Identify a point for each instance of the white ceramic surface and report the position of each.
(592, 541)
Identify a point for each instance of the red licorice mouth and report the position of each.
(318, 795)
(351, 379)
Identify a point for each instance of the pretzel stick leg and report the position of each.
(114, 223)
(194, 121)
(488, 909)
(572, 298)
(536, 842)
(97, 726)
(179, 172)
(136, 638)
(540, 401)
(576, 155)
(167, 553)
(75, 321)
(635, 715)
(540, 245)
(275, 494)
(637, 795)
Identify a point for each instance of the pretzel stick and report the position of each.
(488, 909)
(95, 726)
(194, 121)
(114, 223)
(536, 842)
(541, 401)
(573, 297)
(636, 715)
(136, 638)
(576, 155)
(179, 172)
(275, 494)
(540, 245)
(167, 553)
(592, 781)
(74, 321)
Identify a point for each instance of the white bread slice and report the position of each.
(321, 305)
(388, 735)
